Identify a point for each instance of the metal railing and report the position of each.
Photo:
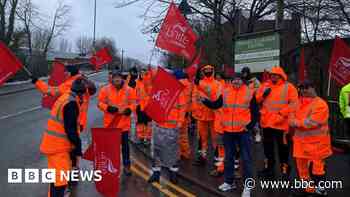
(340, 134)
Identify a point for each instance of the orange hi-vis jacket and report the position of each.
(55, 139)
(138, 94)
(122, 99)
(311, 139)
(279, 104)
(236, 108)
(187, 93)
(208, 88)
(64, 88)
(176, 117)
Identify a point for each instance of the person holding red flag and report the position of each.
(165, 137)
(65, 87)
(61, 142)
(115, 100)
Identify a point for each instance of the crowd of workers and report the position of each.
(230, 110)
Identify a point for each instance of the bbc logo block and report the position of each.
(31, 176)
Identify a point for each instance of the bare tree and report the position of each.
(84, 44)
(59, 24)
(7, 21)
(28, 13)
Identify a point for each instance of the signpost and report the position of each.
(257, 51)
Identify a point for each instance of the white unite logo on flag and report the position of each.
(105, 164)
(177, 33)
(162, 96)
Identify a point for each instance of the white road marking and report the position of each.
(21, 112)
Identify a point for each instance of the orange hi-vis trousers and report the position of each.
(144, 131)
(184, 145)
(303, 169)
(203, 129)
(60, 162)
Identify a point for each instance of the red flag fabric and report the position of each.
(9, 64)
(176, 35)
(89, 152)
(192, 69)
(163, 95)
(302, 67)
(106, 149)
(340, 62)
(101, 58)
(57, 77)
(265, 76)
(229, 71)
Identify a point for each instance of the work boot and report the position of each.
(155, 177)
(173, 177)
(127, 171)
(285, 171)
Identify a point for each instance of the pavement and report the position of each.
(22, 122)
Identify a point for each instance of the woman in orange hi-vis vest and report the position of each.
(209, 88)
(278, 100)
(311, 140)
(114, 100)
(61, 141)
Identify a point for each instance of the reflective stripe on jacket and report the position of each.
(311, 138)
(55, 139)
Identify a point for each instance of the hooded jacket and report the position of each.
(277, 107)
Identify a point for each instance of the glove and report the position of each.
(127, 112)
(132, 84)
(267, 92)
(112, 109)
(34, 79)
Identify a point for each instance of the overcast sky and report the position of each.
(123, 24)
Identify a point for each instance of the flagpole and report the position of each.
(329, 83)
(27, 71)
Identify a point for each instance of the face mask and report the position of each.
(208, 74)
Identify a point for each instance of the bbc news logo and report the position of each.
(49, 175)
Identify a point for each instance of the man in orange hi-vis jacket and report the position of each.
(278, 101)
(311, 140)
(114, 100)
(65, 87)
(61, 142)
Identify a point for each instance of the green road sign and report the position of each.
(257, 52)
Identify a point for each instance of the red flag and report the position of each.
(176, 35)
(192, 69)
(302, 68)
(100, 58)
(229, 71)
(163, 95)
(89, 152)
(9, 64)
(57, 77)
(340, 62)
(106, 149)
(265, 76)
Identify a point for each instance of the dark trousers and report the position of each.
(56, 191)
(270, 137)
(243, 141)
(125, 149)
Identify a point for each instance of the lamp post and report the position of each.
(94, 36)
